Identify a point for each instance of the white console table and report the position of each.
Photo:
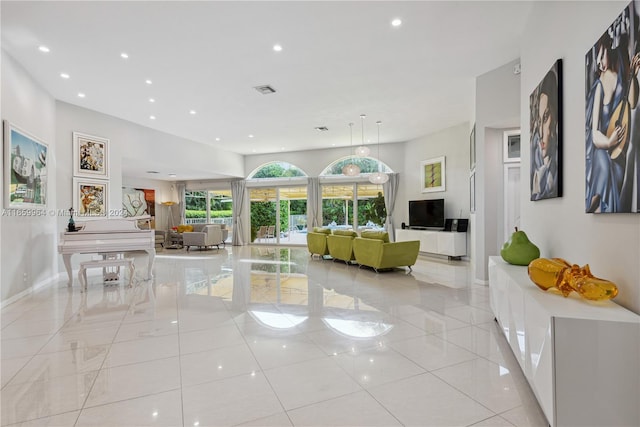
(450, 243)
(581, 358)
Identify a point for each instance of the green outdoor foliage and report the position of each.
(203, 214)
(366, 164)
(264, 213)
(278, 170)
(368, 210)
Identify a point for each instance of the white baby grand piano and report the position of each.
(107, 236)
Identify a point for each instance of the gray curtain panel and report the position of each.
(238, 191)
(390, 193)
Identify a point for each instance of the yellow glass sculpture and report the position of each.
(558, 273)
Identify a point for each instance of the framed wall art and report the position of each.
(90, 197)
(138, 202)
(472, 148)
(432, 175)
(511, 146)
(545, 122)
(612, 153)
(25, 169)
(90, 156)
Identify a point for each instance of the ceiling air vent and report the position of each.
(321, 128)
(265, 89)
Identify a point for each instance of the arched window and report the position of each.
(276, 170)
(366, 164)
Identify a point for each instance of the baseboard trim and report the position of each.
(31, 289)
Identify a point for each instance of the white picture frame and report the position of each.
(512, 146)
(90, 198)
(25, 169)
(90, 156)
(433, 175)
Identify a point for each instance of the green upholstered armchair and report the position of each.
(374, 250)
(340, 245)
(317, 241)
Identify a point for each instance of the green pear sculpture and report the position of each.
(518, 250)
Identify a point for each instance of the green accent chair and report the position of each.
(373, 249)
(340, 245)
(317, 241)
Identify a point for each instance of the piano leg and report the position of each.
(152, 257)
(67, 265)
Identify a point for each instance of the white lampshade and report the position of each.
(351, 170)
(378, 178)
(362, 151)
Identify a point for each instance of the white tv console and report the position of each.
(581, 358)
(450, 243)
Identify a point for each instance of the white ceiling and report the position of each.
(339, 60)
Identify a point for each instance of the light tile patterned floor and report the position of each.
(263, 336)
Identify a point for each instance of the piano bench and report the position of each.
(104, 263)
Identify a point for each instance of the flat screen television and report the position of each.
(427, 214)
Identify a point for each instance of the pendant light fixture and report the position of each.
(378, 177)
(351, 169)
(362, 150)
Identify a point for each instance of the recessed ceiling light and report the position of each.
(396, 22)
(192, 112)
(65, 75)
(149, 82)
(254, 151)
(321, 128)
(124, 55)
(152, 100)
(173, 175)
(250, 135)
(217, 139)
(277, 47)
(44, 49)
(282, 148)
(81, 95)
(152, 117)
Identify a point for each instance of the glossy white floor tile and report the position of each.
(262, 337)
(350, 410)
(425, 400)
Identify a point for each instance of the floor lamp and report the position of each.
(169, 205)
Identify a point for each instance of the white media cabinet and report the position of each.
(581, 358)
(449, 243)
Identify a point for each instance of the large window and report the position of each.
(340, 201)
(195, 208)
(367, 165)
(209, 207)
(276, 170)
(278, 214)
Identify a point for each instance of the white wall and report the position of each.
(134, 142)
(28, 243)
(609, 243)
(497, 108)
(453, 144)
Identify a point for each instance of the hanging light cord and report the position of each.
(379, 165)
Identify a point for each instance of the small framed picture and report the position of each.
(432, 175)
(25, 169)
(90, 156)
(511, 146)
(90, 197)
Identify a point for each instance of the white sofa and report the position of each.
(211, 235)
